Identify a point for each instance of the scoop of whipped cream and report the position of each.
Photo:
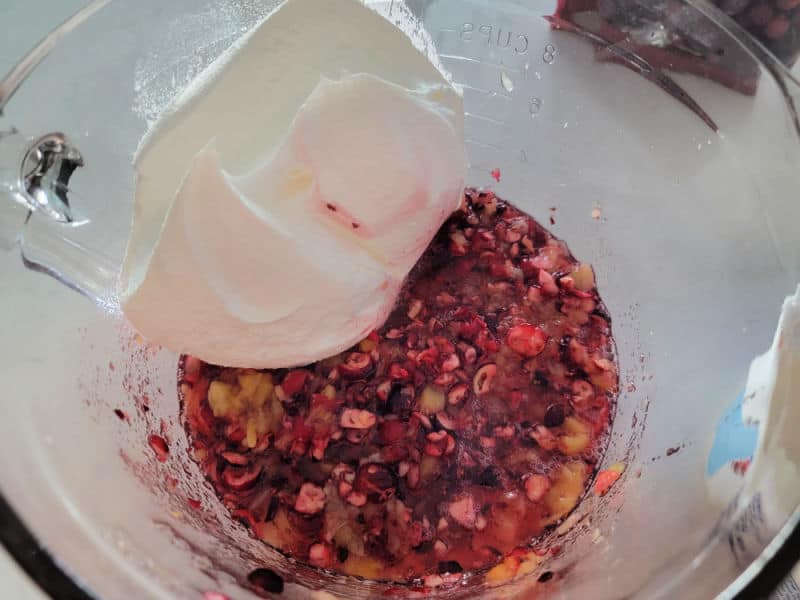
(283, 198)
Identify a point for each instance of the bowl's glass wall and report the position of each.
(691, 234)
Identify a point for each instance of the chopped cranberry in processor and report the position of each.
(455, 435)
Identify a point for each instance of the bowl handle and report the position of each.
(36, 216)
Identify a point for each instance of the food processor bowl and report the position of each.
(675, 183)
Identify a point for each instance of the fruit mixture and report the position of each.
(443, 442)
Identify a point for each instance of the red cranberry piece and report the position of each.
(191, 369)
(357, 365)
(451, 363)
(547, 283)
(294, 381)
(544, 437)
(239, 478)
(582, 392)
(354, 418)
(392, 431)
(526, 340)
(464, 511)
(397, 372)
(310, 499)
(320, 555)
(457, 394)
(159, 446)
(235, 458)
(439, 443)
(536, 487)
(266, 580)
(482, 382)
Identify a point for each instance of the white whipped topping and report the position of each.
(284, 197)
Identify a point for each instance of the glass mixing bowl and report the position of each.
(678, 188)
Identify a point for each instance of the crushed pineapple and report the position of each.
(251, 438)
(577, 438)
(503, 571)
(220, 397)
(567, 488)
(431, 401)
(367, 345)
(363, 566)
(583, 277)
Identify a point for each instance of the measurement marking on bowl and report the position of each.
(491, 35)
(535, 106)
(549, 55)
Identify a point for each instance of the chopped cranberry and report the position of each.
(482, 382)
(464, 511)
(536, 487)
(239, 478)
(320, 555)
(526, 340)
(293, 382)
(159, 446)
(310, 499)
(354, 418)
(357, 365)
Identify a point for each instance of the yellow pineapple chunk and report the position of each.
(263, 392)
(505, 571)
(429, 469)
(528, 563)
(248, 381)
(583, 277)
(269, 533)
(431, 401)
(363, 566)
(251, 438)
(577, 437)
(367, 345)
(220, 398)
(567, 488)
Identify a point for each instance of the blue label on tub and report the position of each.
(733, 439)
